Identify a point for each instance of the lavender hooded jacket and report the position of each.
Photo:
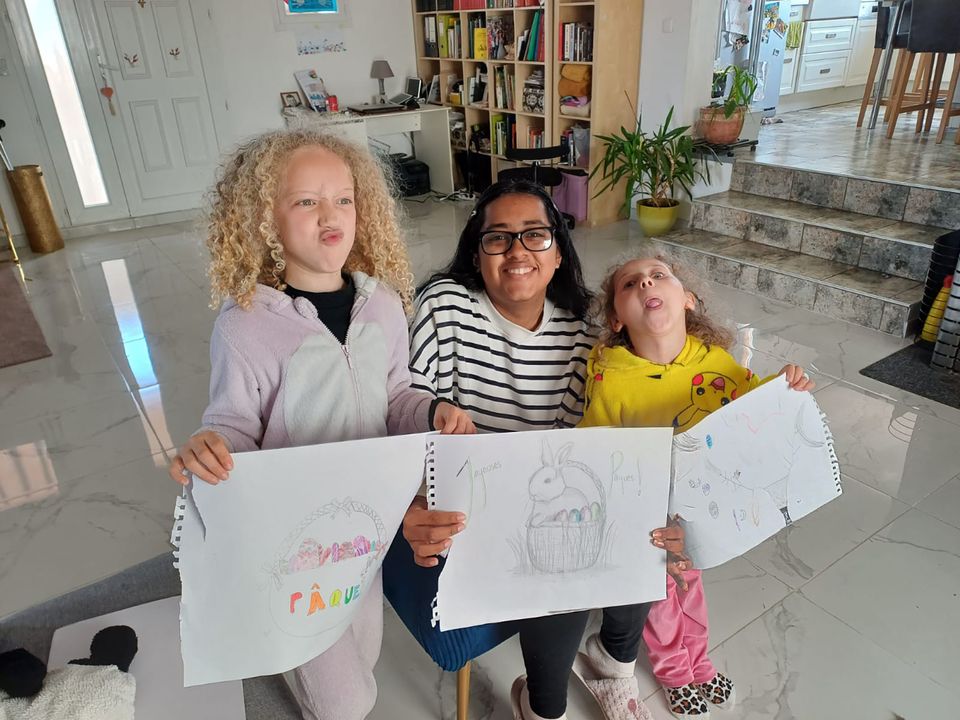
(279, 377)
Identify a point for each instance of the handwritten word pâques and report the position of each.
(334, 599)
(312, 554)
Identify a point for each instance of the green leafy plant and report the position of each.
(652, 163)
(743, 87)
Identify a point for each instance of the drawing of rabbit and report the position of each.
(549, 490)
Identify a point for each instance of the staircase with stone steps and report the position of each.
(850, 248)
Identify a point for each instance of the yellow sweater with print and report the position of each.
(624, 390)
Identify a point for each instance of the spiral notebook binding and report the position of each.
(176, 533)
(430, 473)
(434, 613)
(834, 462)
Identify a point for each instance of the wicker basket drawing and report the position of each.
(571, 543)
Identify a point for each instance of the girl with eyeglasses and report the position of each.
(503, 332)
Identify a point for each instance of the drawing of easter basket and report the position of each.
(567, 539)
(323, 563)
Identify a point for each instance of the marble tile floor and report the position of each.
(848, 614)
(827, 139)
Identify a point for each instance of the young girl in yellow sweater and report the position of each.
(664, 362)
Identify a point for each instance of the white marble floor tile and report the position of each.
(900, 589)
(70, 533)
(944, 504)
(889, 446)
(738, 593)
(798, 661)
(81, 440)
(813, 543)
(161, 358)
(175, 408)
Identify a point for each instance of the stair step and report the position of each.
(939, 207)
(839, 290)
(895, 247)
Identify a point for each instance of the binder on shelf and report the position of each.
(480, 43)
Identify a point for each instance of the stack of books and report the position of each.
(531, 42)
(576, 42)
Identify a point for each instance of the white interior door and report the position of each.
(163, 131)
(64, 89)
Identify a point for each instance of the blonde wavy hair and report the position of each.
(699, 324)
(243, 239)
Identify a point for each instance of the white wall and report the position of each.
(249, 63)
(676, 58)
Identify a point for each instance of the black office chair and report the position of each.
(545, 175)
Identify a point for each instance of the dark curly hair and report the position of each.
(566, 289)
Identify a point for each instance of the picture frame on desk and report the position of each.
(291, 99)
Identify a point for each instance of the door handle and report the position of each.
(825, 71)
(830, 36)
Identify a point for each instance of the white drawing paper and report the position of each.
(274, 561)
(750, 469)
(557, 520)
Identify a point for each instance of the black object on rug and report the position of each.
(909, 369)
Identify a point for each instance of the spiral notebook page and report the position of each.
(557, 520)
(286, 552)
(750, 469)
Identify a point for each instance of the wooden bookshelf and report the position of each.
(614, 64)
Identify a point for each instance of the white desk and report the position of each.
(429, 129)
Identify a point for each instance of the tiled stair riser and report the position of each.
(924, 206)
(893, 256)
(891, 316)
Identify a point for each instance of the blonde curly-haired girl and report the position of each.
(662, 361)
(311, 344)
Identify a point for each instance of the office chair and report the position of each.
(545, 175)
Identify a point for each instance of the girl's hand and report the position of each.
(429, 531)
(206, 456)
(671, 539)
(797, 378)
(451, 420)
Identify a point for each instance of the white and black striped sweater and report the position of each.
(507, 377)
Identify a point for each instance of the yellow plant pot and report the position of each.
(657, 220)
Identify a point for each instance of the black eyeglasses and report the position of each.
(499, 242)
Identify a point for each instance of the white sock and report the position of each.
(527, 711)
(608, 665)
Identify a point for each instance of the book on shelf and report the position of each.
(576, 42)
(500, 37)
(534, 43)
(504, 133)
(534, 137)
(540, 37)
(480, 43)
(430, 46)
(449, 41)
(426, 5)
(474, 23)
(503, 88)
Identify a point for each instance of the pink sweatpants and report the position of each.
(676, 635)
(338, 684)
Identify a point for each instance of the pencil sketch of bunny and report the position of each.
(548, 489)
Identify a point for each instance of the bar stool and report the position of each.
(933, 26)
(948, 110)
(879, 43)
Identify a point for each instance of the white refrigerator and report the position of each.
(753, 35)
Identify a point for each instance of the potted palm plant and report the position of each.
(721, 121)
(652, 164)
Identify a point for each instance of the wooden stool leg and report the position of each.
(935, 90)
(894, 81)
(948, 103)
(896, 95)
(923, 97)
(868, 90)
(463, 691)
(923, 73)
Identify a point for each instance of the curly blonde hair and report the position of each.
(243, 239)
(699, 324)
